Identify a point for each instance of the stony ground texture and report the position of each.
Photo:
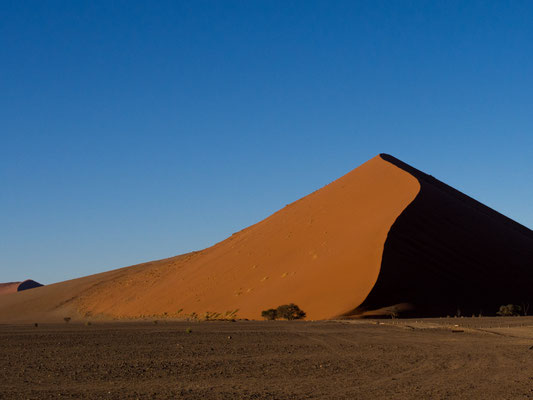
(483, 358)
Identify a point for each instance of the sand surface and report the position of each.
(456, 358)
(322, 252)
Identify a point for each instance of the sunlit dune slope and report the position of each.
(322, 252)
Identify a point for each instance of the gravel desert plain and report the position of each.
(440, 358)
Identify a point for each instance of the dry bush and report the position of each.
(286, 311)
(270, 314)
(290, 312)
(509, 310)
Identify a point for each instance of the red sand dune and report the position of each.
(383, 238)
(12, 287)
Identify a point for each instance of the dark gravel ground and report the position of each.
(482, 358)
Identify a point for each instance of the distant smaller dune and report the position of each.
(12, 287)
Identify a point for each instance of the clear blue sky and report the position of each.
(132, 131)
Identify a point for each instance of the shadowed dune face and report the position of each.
(447, 254)
(12, 287)
(28, 284)
(322, 252)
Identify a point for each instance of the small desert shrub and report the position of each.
(509, 310)
(286, 311)
(290, 312)
(270, 314)
(188, 330)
